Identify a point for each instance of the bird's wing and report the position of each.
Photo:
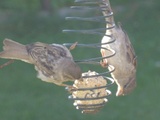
(46, 57)
(130, 53)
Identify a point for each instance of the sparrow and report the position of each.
(53, 62)
(124, 60)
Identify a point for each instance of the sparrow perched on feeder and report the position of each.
(53, 62)
(124, 60)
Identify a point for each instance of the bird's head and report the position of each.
(71, 70)
(127, 87)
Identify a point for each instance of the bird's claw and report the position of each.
(7, 63)
(71, 88)
(103, 64)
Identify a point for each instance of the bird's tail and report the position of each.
(14, 50)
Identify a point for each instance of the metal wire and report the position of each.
(107, 18)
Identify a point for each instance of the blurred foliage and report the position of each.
(23, 96)
(31, 5)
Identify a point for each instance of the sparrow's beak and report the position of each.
(81, 79)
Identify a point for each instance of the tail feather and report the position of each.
(14, 50)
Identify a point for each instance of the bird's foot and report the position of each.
(73, 46)
(70, 89)
(7, 63)
(103, 63)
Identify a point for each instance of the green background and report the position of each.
(25, 97)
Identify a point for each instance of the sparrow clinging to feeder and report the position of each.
(124, 59)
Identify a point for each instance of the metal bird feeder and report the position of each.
(99, 5)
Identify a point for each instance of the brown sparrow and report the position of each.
(53, 62)
(124, 60)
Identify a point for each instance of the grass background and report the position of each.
(25, 97)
